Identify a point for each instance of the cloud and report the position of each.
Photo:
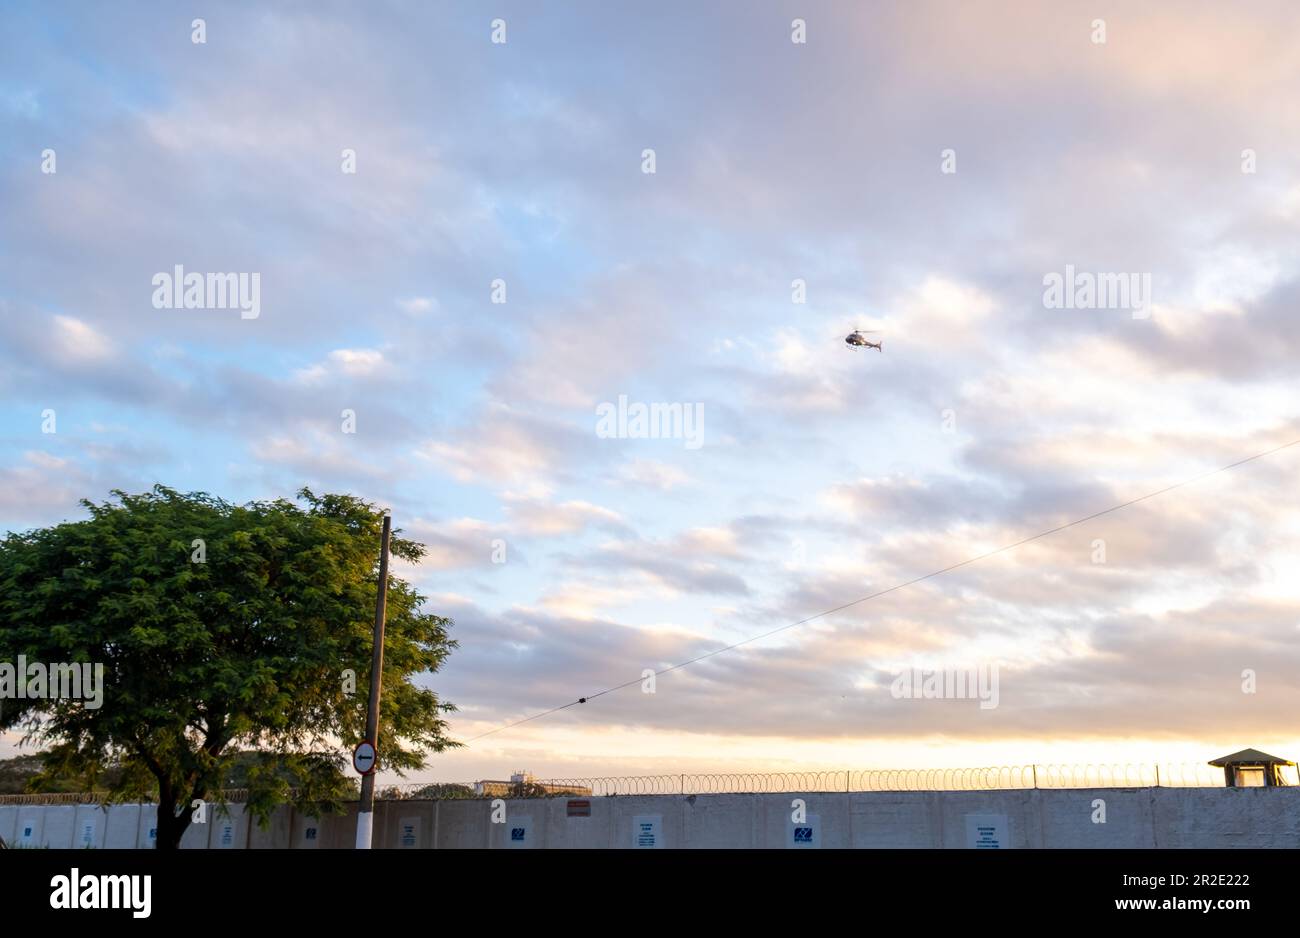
(78, 341)
(38, 486)
(417, 305)
(693, 562)
(653, 474)
(347, 363)
(826, 474)
(537, 517)
(504, 444)
(456, 544)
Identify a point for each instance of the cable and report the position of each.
(899, 586)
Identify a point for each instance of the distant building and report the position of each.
(1251, 768)
(523, 783)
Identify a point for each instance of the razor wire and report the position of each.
(986, 778)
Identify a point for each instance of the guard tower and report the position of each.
(1251, 768)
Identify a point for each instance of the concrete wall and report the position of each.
(1134, 818)
(77, 827)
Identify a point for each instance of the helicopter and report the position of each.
(858, 339)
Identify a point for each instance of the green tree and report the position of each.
(26, 773)
(245, 641)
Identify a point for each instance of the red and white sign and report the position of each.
(363, 758)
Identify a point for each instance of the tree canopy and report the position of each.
(223, 629)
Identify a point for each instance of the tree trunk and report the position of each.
(171, 828)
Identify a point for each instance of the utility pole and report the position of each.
(366, 816)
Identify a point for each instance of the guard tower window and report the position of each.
(1250, 777)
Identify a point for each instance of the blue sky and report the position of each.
(825, 473)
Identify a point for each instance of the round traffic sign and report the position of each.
(363, 758)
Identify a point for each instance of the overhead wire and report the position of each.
(894, 588)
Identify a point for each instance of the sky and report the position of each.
(922, 170)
